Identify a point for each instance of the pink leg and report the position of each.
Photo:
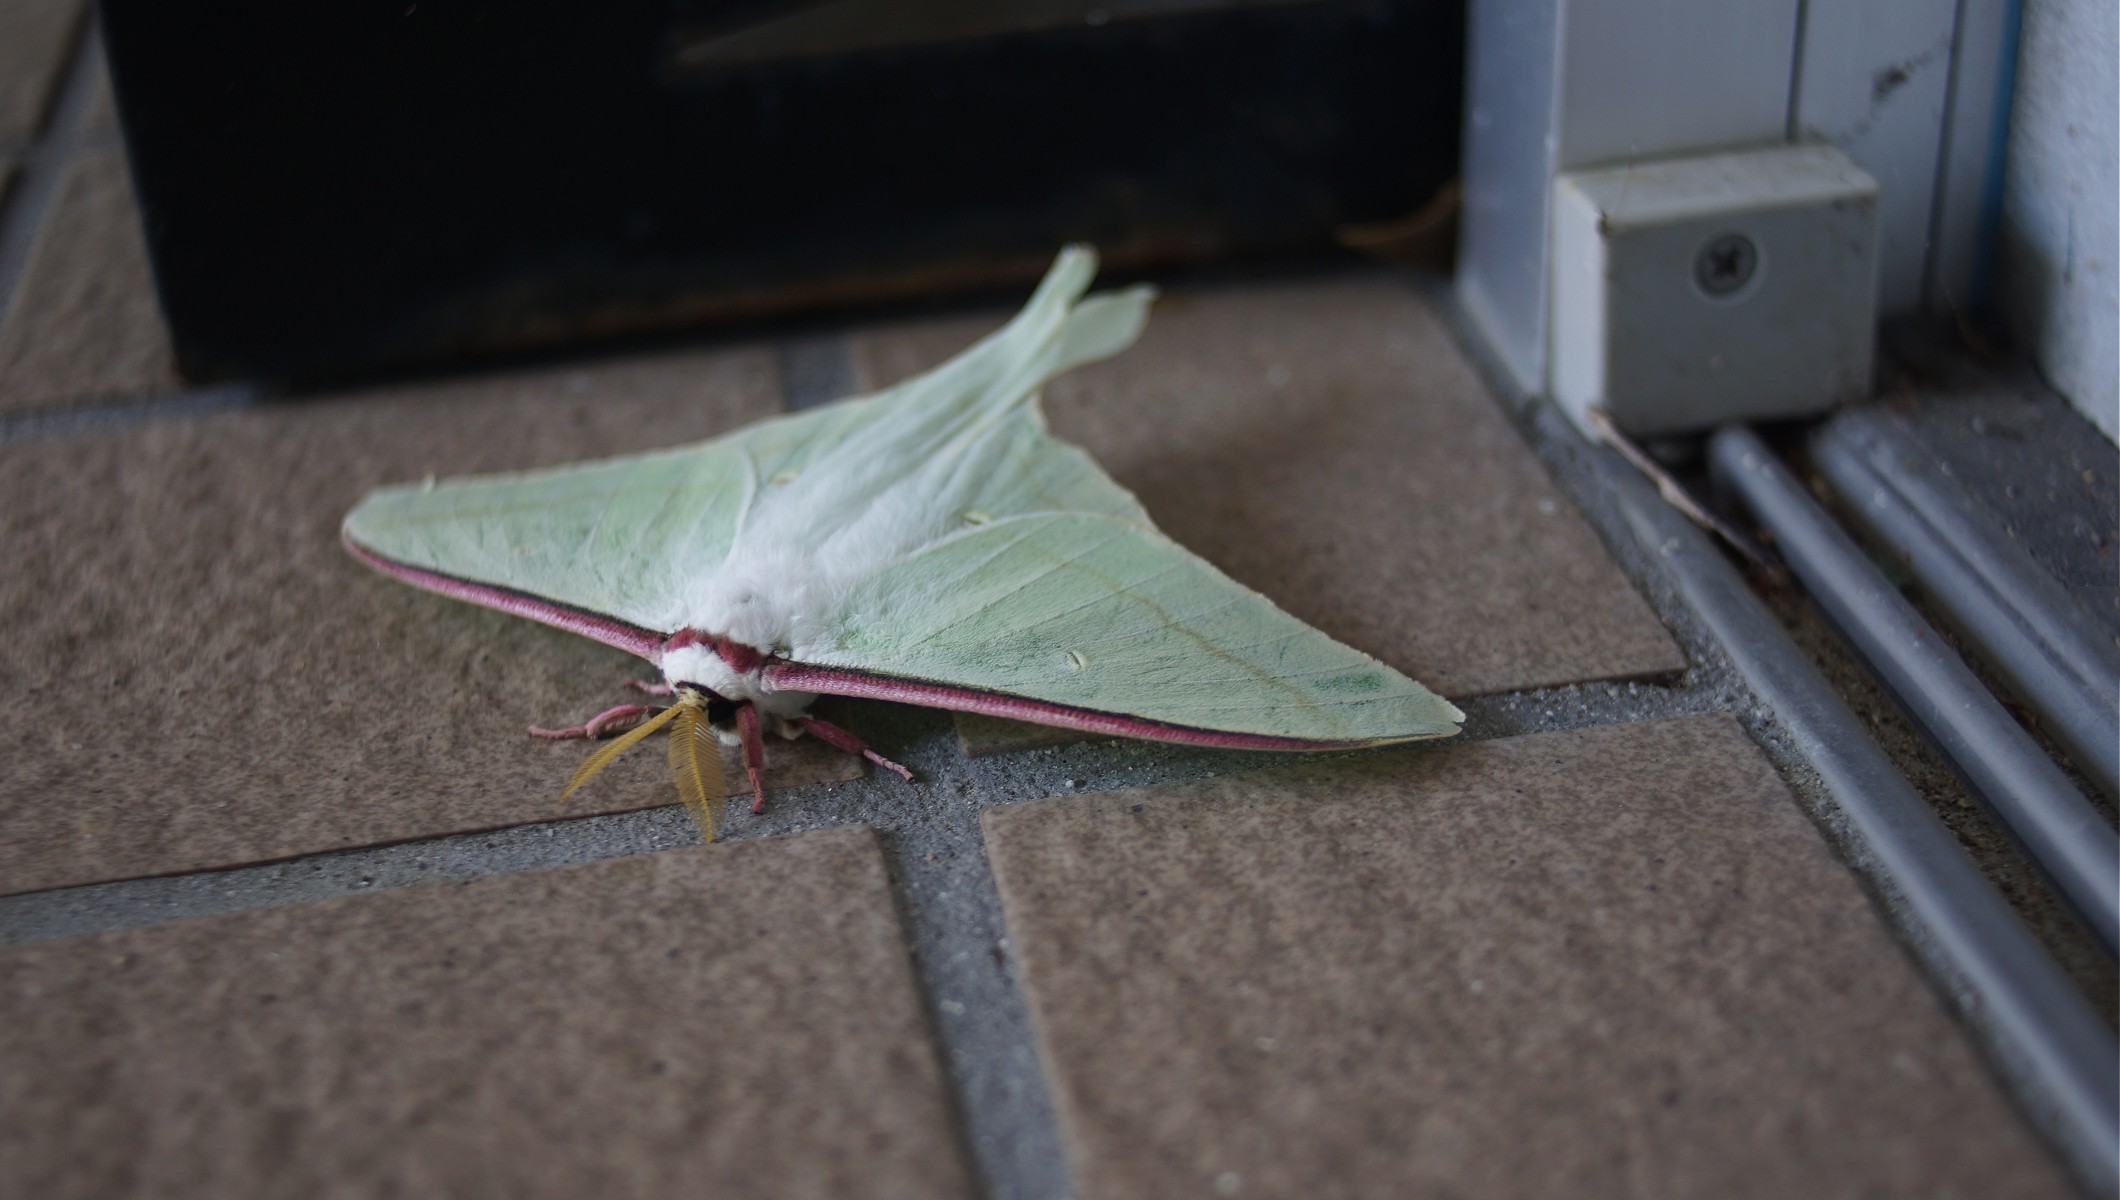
(653, 689)
(613, 720)
(754, 753)
(832, 735)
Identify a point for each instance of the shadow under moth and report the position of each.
(931, 544)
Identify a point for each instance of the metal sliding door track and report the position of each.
(2059, 829)
(2056, 1050)
(2025, 626)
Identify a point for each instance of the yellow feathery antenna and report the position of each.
(695, 761)
(596, 762)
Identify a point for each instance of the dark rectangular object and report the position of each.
(336, 189)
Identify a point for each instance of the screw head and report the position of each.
(1725, 264)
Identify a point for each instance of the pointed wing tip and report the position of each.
(1076, 252)
(1071, 273)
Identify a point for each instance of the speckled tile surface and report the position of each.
(1612, 962)
(102, 115)
(722, 1021)
(85, 324)
(1326, 442)
(34, 38)
(198, 675)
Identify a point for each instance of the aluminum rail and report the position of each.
(2060, 830)
(2024, 625)
(2055, 1049)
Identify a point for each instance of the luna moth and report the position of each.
(931, 543)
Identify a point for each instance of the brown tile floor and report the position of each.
(34, 37)
(197, 676)
(84, 325)
(101, 119)
(1614, 962)
(648, 1026)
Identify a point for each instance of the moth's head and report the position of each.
(720, 710)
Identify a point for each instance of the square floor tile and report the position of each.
(723, 1021)
(84, 324)
(1608, 962)
(101, 118)
(35, 36)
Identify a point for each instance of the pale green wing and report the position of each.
(986, 395)
(1108, 615)
(609, 537)
(1034, 473)
(621, 537)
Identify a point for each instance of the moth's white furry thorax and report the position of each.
(801, 551)
(763, 596)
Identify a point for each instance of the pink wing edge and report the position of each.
(785, 675)
(836, 681)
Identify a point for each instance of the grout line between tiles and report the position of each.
(41, 166)
(93, 908)
(963, 965)
(88, 419)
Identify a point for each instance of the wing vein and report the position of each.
(1126, 592)
(1123, 591)
(1021, 584)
